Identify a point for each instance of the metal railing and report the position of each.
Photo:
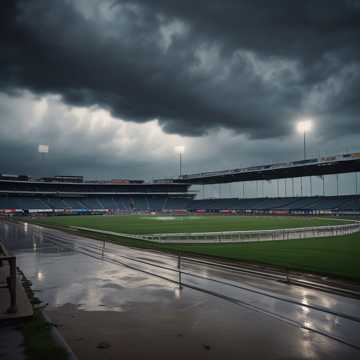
(254, 236)
(11, 279)
(238, 236)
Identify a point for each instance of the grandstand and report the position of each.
(326, 165)
(44, 196)
(71, 194)
(292, 205)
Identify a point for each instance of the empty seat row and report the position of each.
(163, 203)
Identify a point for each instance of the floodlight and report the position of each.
(43, 149)
(304, 126)
(180, 149)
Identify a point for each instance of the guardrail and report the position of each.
(11, 279)
(239, 236)
(254, 236)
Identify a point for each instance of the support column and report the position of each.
(356, 183)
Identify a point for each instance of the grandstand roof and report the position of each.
(326, 165)
(28, 187)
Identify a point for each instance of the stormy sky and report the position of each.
(113, 85)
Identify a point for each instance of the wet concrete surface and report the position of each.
(129, 301)
(11, 340)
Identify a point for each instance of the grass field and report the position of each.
(336, 256)
(145, 224)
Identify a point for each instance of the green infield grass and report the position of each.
(151, 224)
(338, 256)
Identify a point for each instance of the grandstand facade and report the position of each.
(21, 194)
(31, 196)
(326, 165)
(312, 205)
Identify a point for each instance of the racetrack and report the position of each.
(99, 292)
(335, 256)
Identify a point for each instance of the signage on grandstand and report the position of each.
(14, 177)
(119, 181)
(126, 181)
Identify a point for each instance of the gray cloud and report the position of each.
(195, 66)
(112, 86)
(88, 141)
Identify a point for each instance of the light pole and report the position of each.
(43, 149)
(180, 150)
(303, 127)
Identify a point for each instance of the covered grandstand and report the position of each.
(34, 196)
(326, 165)
(286, 205)
(56, 195)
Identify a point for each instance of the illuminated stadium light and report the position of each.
(180, 149)
(303, 127)
(43, 148)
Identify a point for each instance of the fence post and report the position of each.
(179, 269)
(287, 276)
(103, 249)
(11, 282)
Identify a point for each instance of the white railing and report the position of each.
(241, 236)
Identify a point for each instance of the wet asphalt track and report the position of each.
(93, 276)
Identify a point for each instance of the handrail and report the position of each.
(11, 279)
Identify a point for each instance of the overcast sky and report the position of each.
(113, 85)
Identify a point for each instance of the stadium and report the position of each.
(169, 211)
(73, 195)
(179, 180)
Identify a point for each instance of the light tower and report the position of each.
(42, 150)
(180, 149)
(303, 127)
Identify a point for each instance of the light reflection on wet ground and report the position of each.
(79, 279)
(91, 284)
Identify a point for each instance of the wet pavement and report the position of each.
(111, 301)
(12, 341)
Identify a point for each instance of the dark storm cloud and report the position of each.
(252, 66)
(303, 30)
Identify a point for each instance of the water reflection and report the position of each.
(63, 276)
(40, 276)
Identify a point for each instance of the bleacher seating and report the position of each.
(346, 203)
(129, 203)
